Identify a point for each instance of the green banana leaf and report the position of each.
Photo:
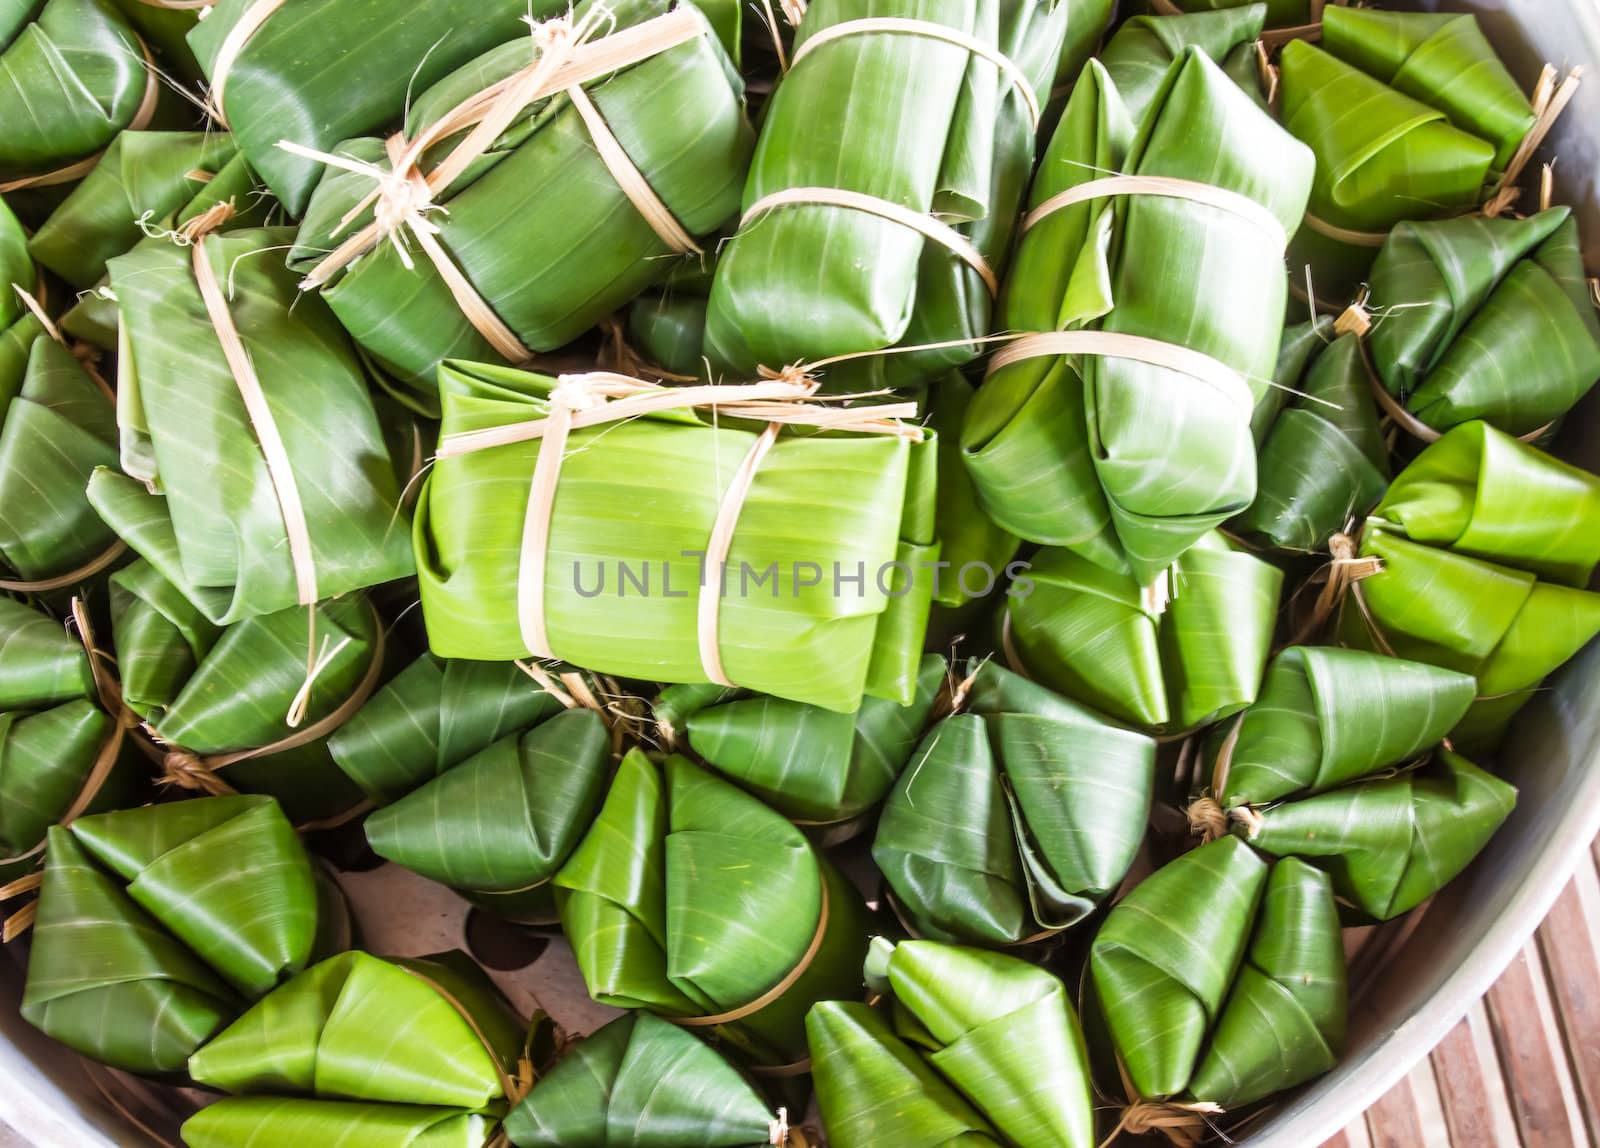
(16, 267)
(41, 664)
(322, 71)
(1139, 56)
(1322, 461)
(784, 630)
(219, 530)
(1087, 24)
(641, 1080)
(252, 1121)
(875, 1091)
(430, 717)
(582, 249)
(165, 29)
(946, 133)
(1278, 13)
(1440, 119)
(143, 177)
(358, 1027)
(1328, 716)
(211, 693)
(1222, 980)
(106, 980)
(72, 75)
(814, 765)
(1093, 636)
(966, 535)
(1486, 319)
(1015, 817)
(1126, 463)
(692, 899)
(667, 324)
(499, 825)
(1391, 843)
(1002, 1031)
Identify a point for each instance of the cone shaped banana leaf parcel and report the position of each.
(692, 899)
(284, 492)
(1015, 817)
(1168, 278)
(1139, 55)
(808, 604)
(884, 225)
(1221, 979)
(583, 199)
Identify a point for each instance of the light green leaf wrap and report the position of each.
(249, 1121)
(1138, 57)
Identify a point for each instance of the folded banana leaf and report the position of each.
(815, 766)
(252, 1121)
(1139, 56)
(1322, 460)
(1440, 120)
(72, 75)
(875, 1091)
(219, 531)
(622, 600)
(1001, 1030)
(1329, 716)
(948, 135)
(499, 825)
(322, 71)
(1087, 24)
(641, 1080)
(694, 900)
(430, 717)
(1278, 13)
(16, 267)
(431, 1031)
(582, 248)
(1486, 319)
(165, 25)
(966, 536)
(1014, 818)
(1391, 843)
(1095, 637)
(218, 700)
(667, 324)
(1222, 980)
(1123, 461)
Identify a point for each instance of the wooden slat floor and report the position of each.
(1523, 1068)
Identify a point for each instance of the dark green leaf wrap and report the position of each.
(858, 501)
(946, 133)
(1094, 636)
(248, 1121)
(1125, 462)
(1278, 13)
(539, 226)
(217, 530)
(1486, 319)
(499, 825)
(1322, 461)
(690, 898)
(641, 1080)
(1015, 817)
(1328, 716)
(1222, 979)
(668, 324)
(1001, 1030)
(1391, 843)
(166, 30)
(322, 71)
(966, 535)
(1139, 56)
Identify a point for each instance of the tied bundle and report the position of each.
(1150, 269)
(1171, 658)
(990, 836)
(164, 917)
(372, 1051)
(613, 150)
(865, 229)
(820, 768)
(1220, 980)
(1443, 130)
(692, 899)
(785, 563)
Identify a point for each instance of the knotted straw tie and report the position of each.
(1208, 820)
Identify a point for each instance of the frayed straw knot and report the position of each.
(1183, 1124)
(797, 375)
(577, 393)
(778, 1129)
(1207, 819)
(202, 225)
(1249, 818)
(1355, 319)
(188, 771)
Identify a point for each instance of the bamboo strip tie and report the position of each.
(250, 21)
(1170, 187)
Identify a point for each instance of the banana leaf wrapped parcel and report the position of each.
(1485, 319)
(1098, 638)
(1288, 14)
(1221, 979)
(967, 538)
(692, 899)
(155, 923)
(308, 505)
(793, 573)
(1121, 428)
(1016, 816)
(551, 204)
(1139, 55)
(866, 228)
